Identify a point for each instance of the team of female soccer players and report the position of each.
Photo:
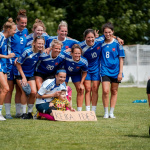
(88, 63)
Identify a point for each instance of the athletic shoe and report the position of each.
(17, 115)
(106, 116)
(37, 116)
(111, 116)
(24, 116)
(30, 115)
(8, 116)
(2, 118)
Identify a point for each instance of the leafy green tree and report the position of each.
(130, 18)
(40, 9)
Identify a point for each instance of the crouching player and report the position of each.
(50, 88)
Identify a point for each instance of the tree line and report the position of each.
(130, 18)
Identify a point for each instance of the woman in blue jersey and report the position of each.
(76, 67)
(49, 63)
(26, 64)
(111, 69)
(9, 29)
(16, 44)
(91, 49)
(62, 36)
(38, 30)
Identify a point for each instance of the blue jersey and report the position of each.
(48, 87)
(47, 64)
(3, 51)
(16, 44)
(110, 58)
(92, 54)
(74, 67)
(30, 38)
(28, 61)
(67, 43)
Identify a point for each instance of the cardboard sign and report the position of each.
(74, 116)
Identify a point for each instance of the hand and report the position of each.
(72, 109)
(51, 104)
(96, 33)
(47, 50)
(15, 61)
(121, 42)
(81, 88)
(68, 50)
(57, 93)
(24, 81)
(119, 77)
(11, 55)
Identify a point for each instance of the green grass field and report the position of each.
(129, 131)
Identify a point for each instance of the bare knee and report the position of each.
(105, 92)
(114, 92)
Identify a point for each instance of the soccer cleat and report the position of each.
(106, 116)
(111, 116)
(37, 116)
(17, 115)
(24, 116)
(30, 115)
(8, 116)
(2, 118)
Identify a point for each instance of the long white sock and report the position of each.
(79, 108)
(111, 110)
(1, 106)
(106, 110)
(94, 108)
(7, 108)
(87, 108)
(18, 108)
(30, 108)
(23, 107)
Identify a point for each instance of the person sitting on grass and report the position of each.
(60, 103)
(50, 88)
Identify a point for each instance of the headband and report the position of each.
(61, 70)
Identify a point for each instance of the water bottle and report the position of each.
(140, 101)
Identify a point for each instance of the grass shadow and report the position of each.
(138, 136)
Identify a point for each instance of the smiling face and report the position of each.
(62, 95)
(90, 39)
(108, 33)
(76, 54)
(62, 32)
(12, 31)
(38, 31)
(60, 77)
(22, 23)
(38, 45)
(56, 49)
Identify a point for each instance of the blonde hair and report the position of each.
(62, 24)
(21, 14)
(8, 24)
(35, 40)
(56, 42)
(37, 23)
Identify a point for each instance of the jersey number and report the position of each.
(107, 54)
(94, 55)
(21, 40)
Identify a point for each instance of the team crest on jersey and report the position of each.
(56, 63)
(77, 67)
(98, 48)
(25, 35)
(66, 47)
(113, 49)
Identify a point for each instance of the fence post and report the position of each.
(137, 65)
